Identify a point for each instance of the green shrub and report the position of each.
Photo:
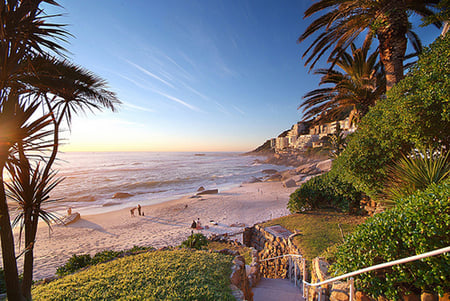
(75, 263)
(195, 241)
(105, 256)
(325, 191)
(418, 224)
(415, 114)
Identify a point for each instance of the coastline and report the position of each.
(164, 224)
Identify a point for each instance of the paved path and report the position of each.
(277, 290)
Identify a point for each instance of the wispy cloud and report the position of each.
(139, 108)
(149, 87)
(150, 74)
(239, 110)
(193, 108)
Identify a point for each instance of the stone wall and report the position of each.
(243, 277)
(271, 242)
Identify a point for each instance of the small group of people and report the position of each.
(139, 208)
(197, 225)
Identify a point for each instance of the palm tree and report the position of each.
(343, 21)
(416, 171)
(352, 92)
(31, 82)
(66, 90)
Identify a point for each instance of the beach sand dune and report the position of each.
(165, 224)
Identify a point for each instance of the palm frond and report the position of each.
(416, 172)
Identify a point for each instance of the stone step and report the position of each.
(277, 290)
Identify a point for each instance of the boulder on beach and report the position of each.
(274, 178)
(201, 188)
(324, 165)
(269, 171)
(252, 180)
(289, 183)
(306, 168)
(287, 174)
(121, 195)
(107, 204)
(209, 191)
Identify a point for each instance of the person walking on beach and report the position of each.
(132, 211)
(139, 209)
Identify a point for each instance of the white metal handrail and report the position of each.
(372, 268)
(293, 265)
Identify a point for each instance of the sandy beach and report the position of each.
(165, 224)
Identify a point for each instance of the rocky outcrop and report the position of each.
(252, 180)
(121, 195)
(289, 183)
(209, 191)
(269, 171)
(325, 166)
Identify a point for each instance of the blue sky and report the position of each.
(192, 75)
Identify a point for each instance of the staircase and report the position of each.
(276, 290)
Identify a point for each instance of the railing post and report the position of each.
(305, 291)
(319, 298)
(295, 271)
(304, 273)
(351, 287)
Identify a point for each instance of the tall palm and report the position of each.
(32, 80)
(352, 91)
(65, 90)
(343, 21)
(24, 31)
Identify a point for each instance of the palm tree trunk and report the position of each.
(393, 41)
(7, 240)
(30, 236)
(32, 218)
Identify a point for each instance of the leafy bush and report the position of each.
(75, 263)
(195, 241)
(419, 224)
(325, 191)
(105, 256)
(160, 275)
(415, 114)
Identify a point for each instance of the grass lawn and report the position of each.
(159, 275)
(319, 229)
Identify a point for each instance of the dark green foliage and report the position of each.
(416, 172)
(416, 113)
(105, 256)
(75, 263)
(325, 191)
(419, 224)
(195, 241)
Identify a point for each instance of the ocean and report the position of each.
(91, 179)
